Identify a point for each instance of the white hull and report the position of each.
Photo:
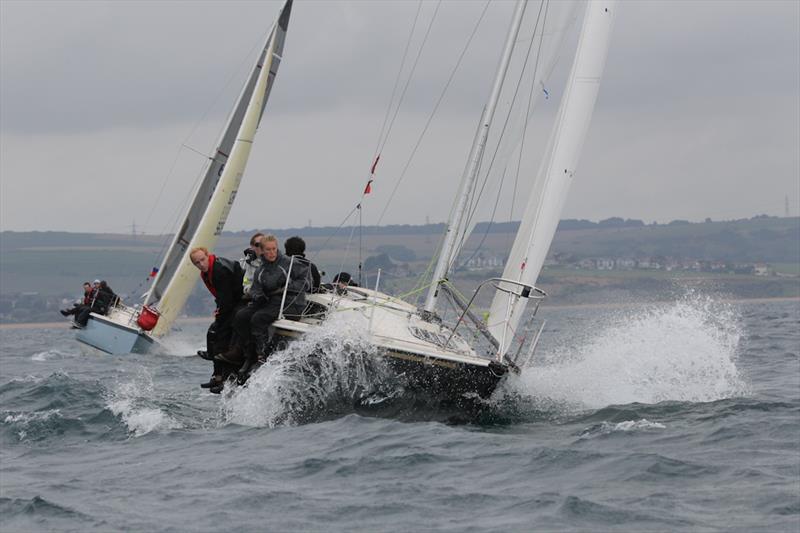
(427, 352)
(116, 333)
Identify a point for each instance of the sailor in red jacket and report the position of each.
(223, 278)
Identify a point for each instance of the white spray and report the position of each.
(681, 351)
(326, 370)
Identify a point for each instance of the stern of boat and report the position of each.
(115, 333)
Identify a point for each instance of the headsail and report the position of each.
(213, 199)
(542, 213)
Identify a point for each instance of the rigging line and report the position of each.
(410, 76)
(422, 280)
(198, 152)
(472, 206)
(347, 248)
(197, 124)
(334, 234)
(545, 4)
(528, 112)
(166, 239)
(183, 206)
(503, 131)
(489, 225)
(508, 115)
(433, 113)
(397, 79)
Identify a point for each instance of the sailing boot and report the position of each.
(265, 348)
(233, 356)
(203, 354)
(249, 360)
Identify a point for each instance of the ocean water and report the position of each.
(680, 416)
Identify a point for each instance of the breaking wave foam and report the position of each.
(322, 374)
(47, 355)
(607, 428)
(683, 351)
(25, 422)
(129, 402)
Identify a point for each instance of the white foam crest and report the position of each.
(333, 364)
(50, 354)
(127, 401)
(606, 428)
(632, 425)
(32, 378)
(681, 351)
(36, 416)
(23, 421)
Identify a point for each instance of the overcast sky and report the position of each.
(698, 114)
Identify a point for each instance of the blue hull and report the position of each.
(113, 338)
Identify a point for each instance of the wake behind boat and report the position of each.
(449, 355)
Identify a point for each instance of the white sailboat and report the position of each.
(127, 329)
(433, 354)
(416, 341)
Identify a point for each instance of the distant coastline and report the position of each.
(614, 305)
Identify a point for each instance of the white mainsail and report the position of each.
(213, 200)
(555, 18)
(459, 212)
(557, 170)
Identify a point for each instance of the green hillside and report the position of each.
(54, 264)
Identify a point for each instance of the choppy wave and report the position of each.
(131, 401)
(71, 463)
(55, 406)
(17, 512)
(626, 426)
(682, 351)
(52, 354)
(38, 423)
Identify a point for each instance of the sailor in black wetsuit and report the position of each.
(85, 303)
(223, 278)
(295, 246)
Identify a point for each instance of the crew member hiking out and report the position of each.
(85, 302)
(253, 323)
(223, 278)
(100, 299)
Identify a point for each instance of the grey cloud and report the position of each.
(697, 96)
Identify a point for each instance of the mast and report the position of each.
(455, 225)
(215, 196)
(557, 170)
